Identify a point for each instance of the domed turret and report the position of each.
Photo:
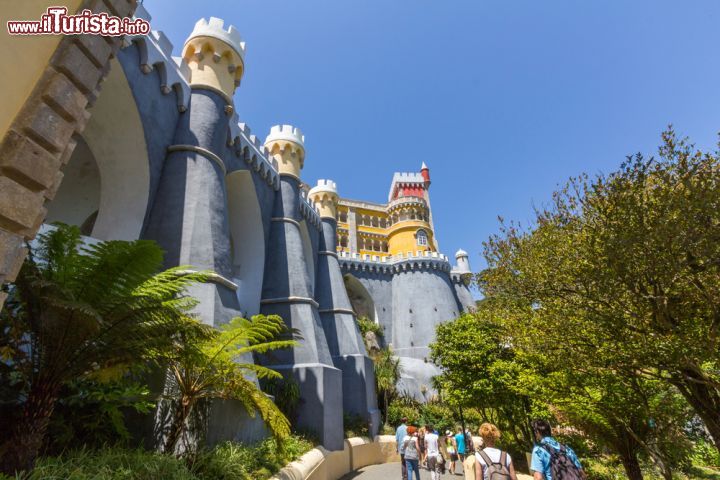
(462, 265)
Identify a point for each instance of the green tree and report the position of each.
(481, 370)
(620, 279)
(84, 311)
(387, 374)
(221, 368)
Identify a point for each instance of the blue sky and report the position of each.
(502, 99)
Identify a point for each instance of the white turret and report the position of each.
(462, 265)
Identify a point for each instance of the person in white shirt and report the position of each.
(433, 451)
(490, 434)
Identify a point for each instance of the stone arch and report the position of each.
(247, 239)
(362, 303)
(109, 171)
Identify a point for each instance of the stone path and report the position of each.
(390, 471)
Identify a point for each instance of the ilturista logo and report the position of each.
(56, 21)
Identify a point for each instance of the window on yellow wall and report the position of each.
(421, 237)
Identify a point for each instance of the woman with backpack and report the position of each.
(491, 463)
(412, 453)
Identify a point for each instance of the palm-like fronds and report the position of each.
(221, 367)
(83, 309)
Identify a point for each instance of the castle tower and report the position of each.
(344, 340)
(462, 277)
(189, 217)
(288, 292)
(410, 228)
(462, 265)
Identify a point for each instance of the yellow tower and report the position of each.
(215, 57)
(287, 145)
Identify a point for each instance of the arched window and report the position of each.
(422, 238)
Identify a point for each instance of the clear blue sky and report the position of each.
(502, 99)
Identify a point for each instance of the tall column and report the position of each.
(189, 218)
(287, 291)
(346, 344)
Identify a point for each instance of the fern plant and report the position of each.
(84, 311)
(220, 367)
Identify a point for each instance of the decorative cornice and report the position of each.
(337, 310)
(286, 219)
(391, 265)
(328, 253)
(215, 278)
(291, 299)
(202, 151)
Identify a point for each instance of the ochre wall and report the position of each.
(25, 56)
(401, 238)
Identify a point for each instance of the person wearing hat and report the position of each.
(451, 451)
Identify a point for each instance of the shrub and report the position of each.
(111, 464)
(397, 411)
(230, 460)
(705, 454)
(355, 426)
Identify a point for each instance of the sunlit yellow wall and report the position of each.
(401, 237)
(24, 56)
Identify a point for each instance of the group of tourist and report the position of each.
(422, 448)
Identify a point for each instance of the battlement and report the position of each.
(287, 133)
(215, 28)
(308, 210)
(404, 178)
(155, 51)
(246, 145)
(324, 186)
(394, 263)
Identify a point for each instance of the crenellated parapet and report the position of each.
(309, 212)
(413, 261)
(155, 51)
(248, 146)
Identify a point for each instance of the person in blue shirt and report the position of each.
(460, 444)
(540, 464)
(400, 434)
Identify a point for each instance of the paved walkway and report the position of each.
(391, 471)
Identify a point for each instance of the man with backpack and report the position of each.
(550, 459)
(491, 463)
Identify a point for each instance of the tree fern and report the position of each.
(77, 310)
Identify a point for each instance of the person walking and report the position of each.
(451, 451)
(432, 451)
(412, 453)
(494, 463)
(459, 442)
(552, 460)
(421, 444)
(400, 434)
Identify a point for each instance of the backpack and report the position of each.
(497, 470)
(561, 465)
(411, 452)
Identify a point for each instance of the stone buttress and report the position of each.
(288, 292)
(189, 218)
(344, 339)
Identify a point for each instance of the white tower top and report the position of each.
(215, 28)
(287, 133)
(323, 186)
(461, 253)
